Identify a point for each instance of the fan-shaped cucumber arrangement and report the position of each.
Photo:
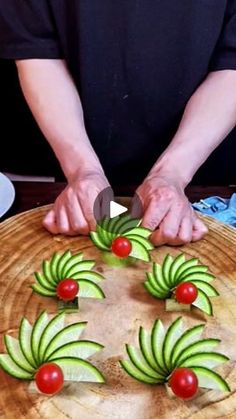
(50, 341)
(123, 226)
(164, 279)
(66, 265)
(162, 351)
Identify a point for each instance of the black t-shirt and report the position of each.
(135, 64)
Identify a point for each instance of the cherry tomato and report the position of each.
(49, 378)
(184, 383)
(121, 247)
(67, 289)
(186, 293)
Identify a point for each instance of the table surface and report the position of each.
(35, 194)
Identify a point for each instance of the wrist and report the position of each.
(170, 167)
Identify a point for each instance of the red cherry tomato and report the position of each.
(121, 247)
(67, 289)
(184, 383)
(186, 293)
(49, 378)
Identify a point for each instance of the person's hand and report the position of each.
(167, 211)
(72, 213)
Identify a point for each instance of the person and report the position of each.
(132, 90)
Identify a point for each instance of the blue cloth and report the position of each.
(222, 209)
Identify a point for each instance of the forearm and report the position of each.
(209, 116)
(54, 101)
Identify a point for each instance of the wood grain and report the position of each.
(112, 322)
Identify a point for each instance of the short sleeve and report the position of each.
(224, 56)
(27, 30)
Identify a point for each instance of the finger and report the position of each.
(87, 210)
(63, 223)
(171, 224)
(154, 214)
(186, 230)
(49, 222)
(199, 229)
(77, 220)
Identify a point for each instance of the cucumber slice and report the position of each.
(8, 365)
(68, 334)
(145, 343)
(160, 279)
(55, 325)
(157, 340)
(87, 289)
(203, 303)
(165, 271)
(210, 379)
(46, 267)
(153, 291)
(97, 241)
(128, 226)
(16, 354)
(104, 223)
(172, 335)
(62, 263)
(121, 221)
(193, 270)
(152, 280)
(139, 251)
(198, 276)
(179, 260)
(209, 290)
(204, 345)
(43, 282)
(37, 331)
(189, 337)
(42, 291)
(89, 275)
(139, 231)
(146, 243)
(75, 369)
(78, 349)
(134, 372)
(53, 266)
(206, 360)
(103, 235)
(184, 267)
(140, 362)
(25, 341)
(78, 267)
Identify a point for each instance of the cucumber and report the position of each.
(210, 379)
(75, 369)
(53, 327)
(25, 341)
(78, 267)
(152, 280)
(110, 227)
(199, 276)
(147, 349)
(78, 349)
(88, 289)
(120, 222)
(16, 354)
(139, 251)
(184, 267)
(103, 235)
(189, 337)
(149, 287)
(89, 275)
(43, 282)
(146, 243)
(209, 290)
(160, 279)
(206, 359)
(37, 331)
(134, 372)
(8, 365)
(128, 226)
(157, 340)
(46, 268)
(62, 263)
(68, 334)
(139, 231)
(203, 303)
(193, 270)
(97, 241)
(179, 260)
(204, 345)
(172, 335)
(42, 291)
(168, 261)
(53, 266)
(140, 362)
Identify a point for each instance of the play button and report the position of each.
(116, 209)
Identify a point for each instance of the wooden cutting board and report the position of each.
(112, 322)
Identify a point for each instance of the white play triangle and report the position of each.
(116, 209)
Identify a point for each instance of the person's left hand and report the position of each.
(167, 211)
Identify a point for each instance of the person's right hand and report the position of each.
(72, 212)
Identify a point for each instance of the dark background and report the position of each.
(25, 151)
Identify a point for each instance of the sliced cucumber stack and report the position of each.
(109, 229)
(163, 280)
(66, 265)
(50, 341)
(162, 351)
